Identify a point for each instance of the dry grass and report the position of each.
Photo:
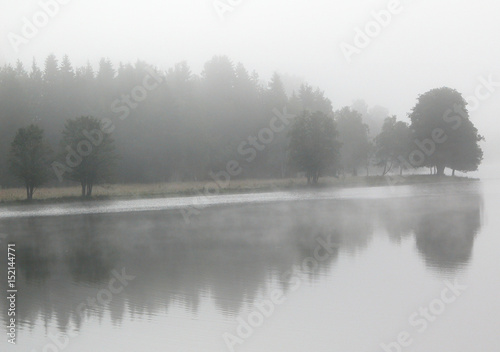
(147, 190)
(191, 188)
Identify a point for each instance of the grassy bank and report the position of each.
(131, 191)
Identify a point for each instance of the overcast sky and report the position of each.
(426, 44)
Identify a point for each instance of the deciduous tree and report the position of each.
(443, 132)
(313, 144)
(89, 152)
(29, 154)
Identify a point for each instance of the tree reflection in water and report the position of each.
(230, 254)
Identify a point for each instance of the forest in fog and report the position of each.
(187, 124)
(175, 125)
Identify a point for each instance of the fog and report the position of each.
(343, 264)
(271, 175)
(425, 45)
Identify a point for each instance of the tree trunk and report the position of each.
(440, 170)
(283, 164)
(453, 172)
(83, 188)
(315, 177)
(400, 170)
(89, 189)
(388, 169)
(29, 191)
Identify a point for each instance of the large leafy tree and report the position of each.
(442, 130)
(89, 152)
(313, 145)
(29, 154)
(466, 153)
(354, 138)
(393, 144)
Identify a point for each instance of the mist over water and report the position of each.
(381, 258)
(249, 176)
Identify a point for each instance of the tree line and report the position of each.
(138, 124)
(439, 135)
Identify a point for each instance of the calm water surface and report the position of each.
(349, 270)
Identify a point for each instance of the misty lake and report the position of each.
(410, 268)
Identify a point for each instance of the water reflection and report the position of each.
(228, 255)
(445, 238)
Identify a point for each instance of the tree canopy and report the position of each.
(29, 158)
(185, 126)
(314, 148)
(354, 138)
(443, 134)
(88, 152)
(392, 144)
(175, 125)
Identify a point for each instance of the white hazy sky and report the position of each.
(428, 44)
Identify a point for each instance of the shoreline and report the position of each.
(55, 195)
